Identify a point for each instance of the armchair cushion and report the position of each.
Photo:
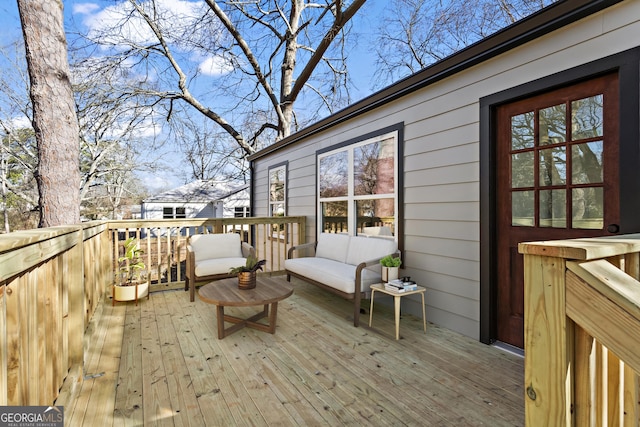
(208, 246)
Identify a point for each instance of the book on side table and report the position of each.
(398, 285)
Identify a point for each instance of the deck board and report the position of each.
(317, 369)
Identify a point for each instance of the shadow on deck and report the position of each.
(160, 362)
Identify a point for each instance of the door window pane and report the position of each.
(553, 208)
(587, 206)
(522, 170)
(373, 166)
(586, 163)
(334, 177)
(334, 217)
(552, 125)
(553, 166)
(587, 117)
(522, 131)
(523, 208)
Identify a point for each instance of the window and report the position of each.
(358, 187)
(278, 197)
(170, 212)
(278, 190)
(241, 211)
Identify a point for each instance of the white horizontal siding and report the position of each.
(441, 158)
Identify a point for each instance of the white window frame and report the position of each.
(351, 198)
(276, 168)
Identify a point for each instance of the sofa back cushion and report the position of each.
(209, 246)
(333, 246)
(363, 249)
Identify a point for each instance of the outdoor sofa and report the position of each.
(342, 264)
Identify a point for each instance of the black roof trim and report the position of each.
(536, 25)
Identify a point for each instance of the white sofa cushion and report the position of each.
(335, 274)
(333, 246)
(363, 249)
(208, 267)
(210, 246)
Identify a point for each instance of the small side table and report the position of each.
(379, 287)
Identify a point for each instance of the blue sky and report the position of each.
(83, 13)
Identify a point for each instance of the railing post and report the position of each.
(75, 277)
(548, 343)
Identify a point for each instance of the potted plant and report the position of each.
(247, 273)
(132, 285)
(390, 267)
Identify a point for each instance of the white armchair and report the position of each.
(211, 256)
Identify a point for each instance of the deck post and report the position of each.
(75, 277)
(548, 343)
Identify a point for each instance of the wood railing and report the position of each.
(52, 280)
(164, 242)
(582, 332)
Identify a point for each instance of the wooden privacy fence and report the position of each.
(582, 332)
(164, 242)
(50, 283)
(52, 279)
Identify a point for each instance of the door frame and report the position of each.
(627, 65)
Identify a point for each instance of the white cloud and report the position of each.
(118, 17)
(85, 8)
(214, 66)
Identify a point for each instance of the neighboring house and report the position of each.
(530, 134)
(199, 199)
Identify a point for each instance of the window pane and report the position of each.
(334, 217)
(373, 168)
(376, 217)
(587, 117)
(333, 175)
(552, 125)
(276, 185)
(586, 163)
(277, 209)
(522, 170)
(523, 208)
(587, 205)
(553, 166)
(181, 213)
(167, 213)
(553, 208)
(522, 134)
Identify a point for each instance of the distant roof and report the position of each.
(199, 192)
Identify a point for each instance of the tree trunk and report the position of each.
(54, 116)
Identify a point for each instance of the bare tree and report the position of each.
(426, 32)
(54, 115)
(116, 138)
(265, 55)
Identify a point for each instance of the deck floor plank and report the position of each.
(207, 372)
(317, 369)
(129, 389)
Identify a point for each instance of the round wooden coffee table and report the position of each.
(225, 293)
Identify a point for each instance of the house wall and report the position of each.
(441, 159)
(153, 210)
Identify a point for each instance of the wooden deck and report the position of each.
(163, 365)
